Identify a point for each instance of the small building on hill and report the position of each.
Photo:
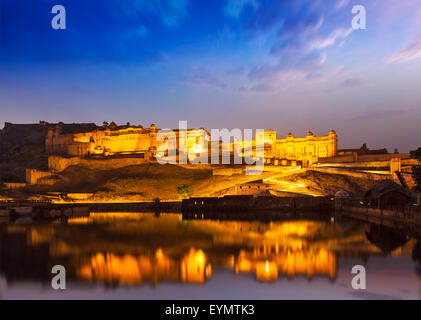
(387, 193)
(257, 188)
(254, 188)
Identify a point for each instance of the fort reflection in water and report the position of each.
(134, 249)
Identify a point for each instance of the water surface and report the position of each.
(149, 256)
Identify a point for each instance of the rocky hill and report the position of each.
(23, 146)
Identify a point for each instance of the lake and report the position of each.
(163, 256)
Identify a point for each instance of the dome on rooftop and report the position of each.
(342, 194)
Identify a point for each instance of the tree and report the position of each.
(416, 170)
(185, 191)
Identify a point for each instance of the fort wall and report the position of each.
(354, 174)
(58, 164)
(227, 171)
(14, 185)
(32, 175)
(364, 158)
(355, 164)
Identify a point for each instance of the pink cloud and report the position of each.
(409, 53)
(340, 4)
(331, 39)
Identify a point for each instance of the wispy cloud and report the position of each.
(296, 49)
(409, 53)
(169, 12)
(351, 83)
(234, 8)
(340, 33)
(304, 63)
(298, 26)
(235, 71)
(203, 77)
(142, 31)
(153, 57)
(257, 88)
(309, 67)
(340, 4)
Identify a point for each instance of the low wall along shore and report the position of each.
(250, 203)
(405, 214)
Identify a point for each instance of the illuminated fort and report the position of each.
(89, 145)
(111, 139)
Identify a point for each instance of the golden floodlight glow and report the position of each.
(197, 148)
(266, 271)
(194, 267)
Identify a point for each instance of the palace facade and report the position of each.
(106, 140)
(306, 149)
(111, 139)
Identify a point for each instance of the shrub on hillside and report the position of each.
(185, 191)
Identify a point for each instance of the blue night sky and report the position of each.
(289, 65)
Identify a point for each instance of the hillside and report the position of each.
(139, 182)
(321, 184)
(150, 181)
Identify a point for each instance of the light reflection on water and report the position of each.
(126, 250)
